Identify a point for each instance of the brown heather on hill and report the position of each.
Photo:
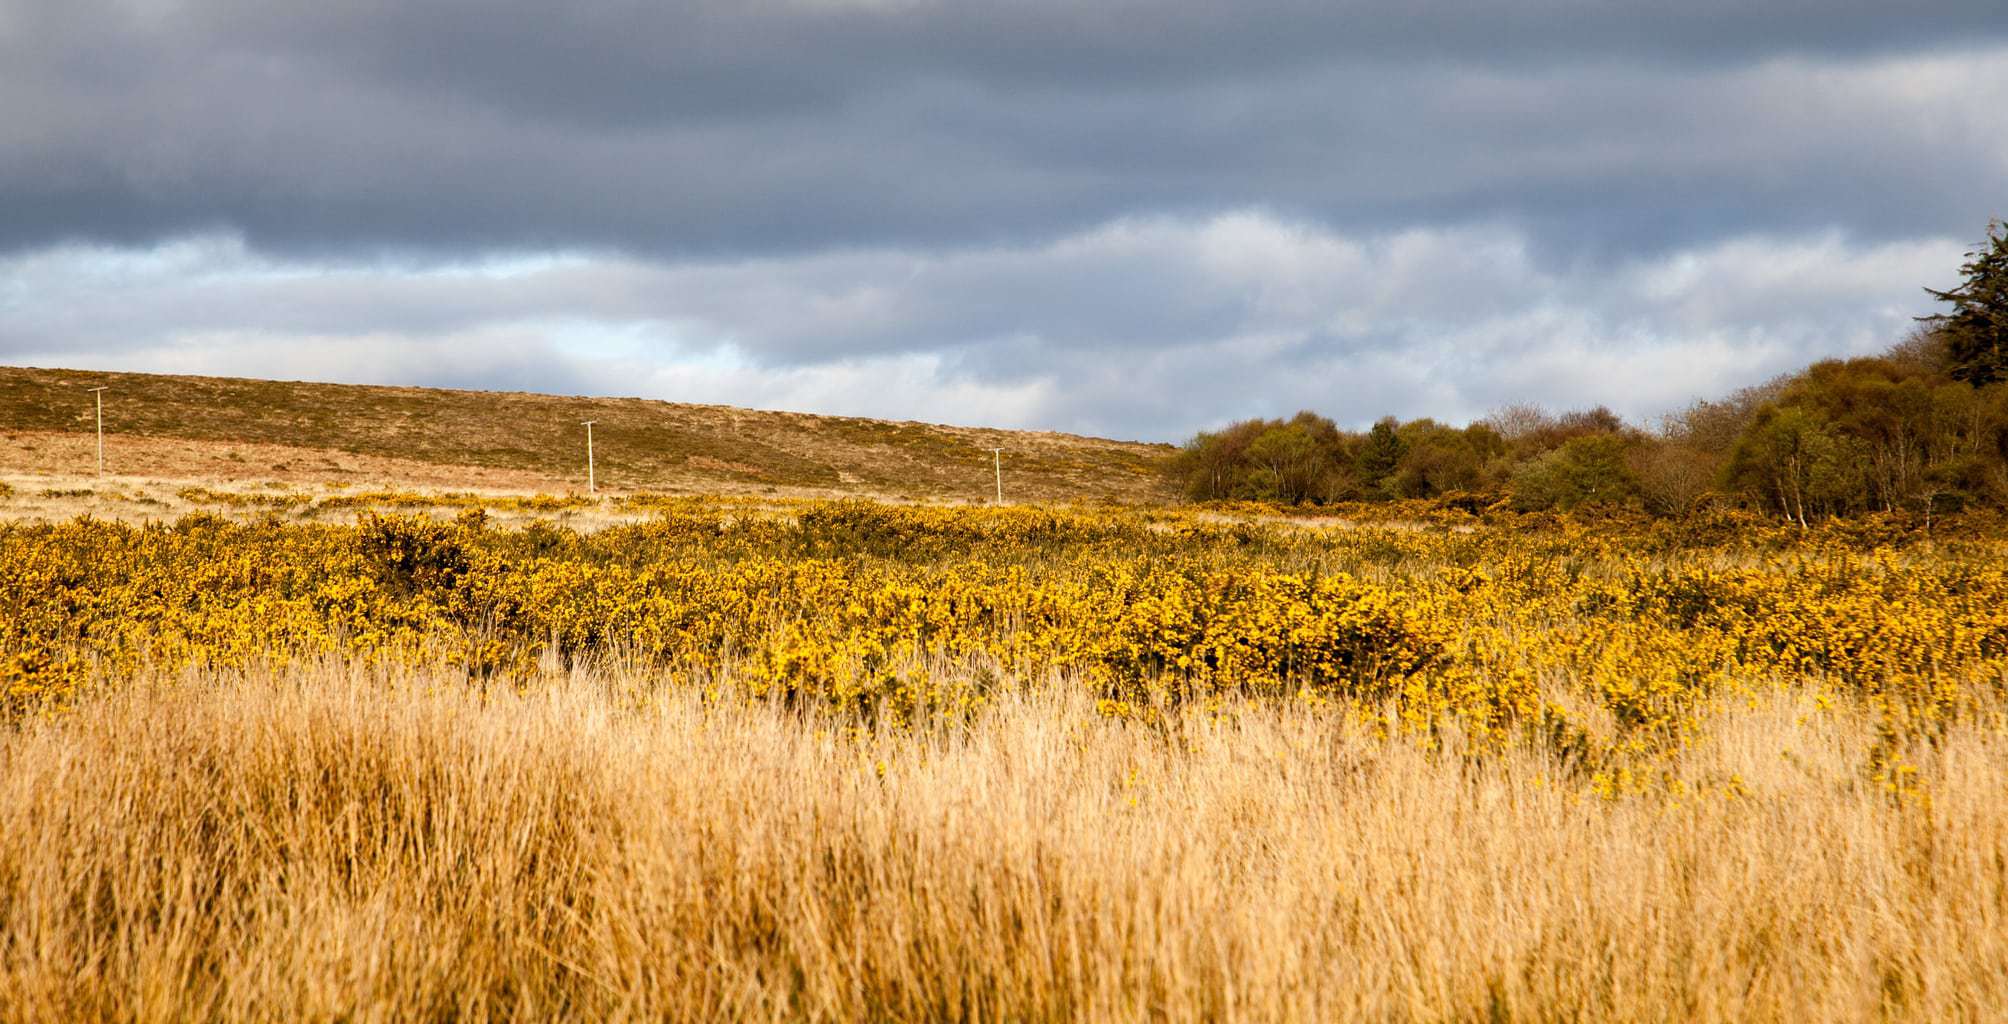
(229, 429)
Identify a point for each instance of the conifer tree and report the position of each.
(1976, 331)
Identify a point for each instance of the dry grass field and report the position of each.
(384, 756)
(332, 841)
(215, 429)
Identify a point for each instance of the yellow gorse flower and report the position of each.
(1613, 639)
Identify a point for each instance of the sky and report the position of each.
(1116, 217)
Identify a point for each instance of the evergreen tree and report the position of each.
(1976, 331)
(1382, 453)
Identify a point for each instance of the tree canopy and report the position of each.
(1923, 427)
(1976, 331)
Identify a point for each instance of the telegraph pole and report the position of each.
(99, 394)
(592, 485)
(997, 463)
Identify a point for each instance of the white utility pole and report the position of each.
(99, 394)
(997, 463)
(592, 486)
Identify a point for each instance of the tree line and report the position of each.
(1922, 427)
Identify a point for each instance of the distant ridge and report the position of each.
(205, 427)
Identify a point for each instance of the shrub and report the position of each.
(1588, 470)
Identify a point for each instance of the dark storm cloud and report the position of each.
(717, 129)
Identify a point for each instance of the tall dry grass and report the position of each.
(341, 842)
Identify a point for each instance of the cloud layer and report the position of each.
(1132, 218)
(1144, 327)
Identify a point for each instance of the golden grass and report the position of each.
(154, 499)
(336, 841)
(227, 430)
(73, 456)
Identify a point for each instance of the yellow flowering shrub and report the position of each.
(1610, 636)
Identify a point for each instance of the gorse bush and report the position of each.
(904, 613)
(409, 555)
(838, 620)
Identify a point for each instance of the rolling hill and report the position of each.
(219, 428)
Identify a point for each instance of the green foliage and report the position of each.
(1289, 464)
(1794, 459)
(1307, 459)
(1382, 453)
(1975, 333)
(1873, 435)
(1438, 459)
(1303, 459)
(1592, 469)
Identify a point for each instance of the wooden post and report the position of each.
(997, 463)
(592, 485)
(99, 394)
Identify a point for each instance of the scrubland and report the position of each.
(851, 761)
(222, 428)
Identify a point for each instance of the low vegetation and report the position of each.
(335, 840)
(840, 760)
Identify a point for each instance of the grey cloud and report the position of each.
(726, 129)
(1145, 328)
(639, 60)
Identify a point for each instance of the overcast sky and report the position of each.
(1117, 217)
